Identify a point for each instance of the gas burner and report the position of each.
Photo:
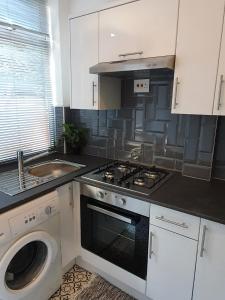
(151, 175)
(122, 168)
(139, 181)
(128, 176)
(109, 174)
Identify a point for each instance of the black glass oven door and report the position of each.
(115, 234)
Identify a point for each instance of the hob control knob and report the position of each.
(122, 201)
(100, 195)
(48, 210)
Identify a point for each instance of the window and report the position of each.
(26, 106)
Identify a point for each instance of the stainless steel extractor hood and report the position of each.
(160, 62)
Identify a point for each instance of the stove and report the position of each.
(125, 175)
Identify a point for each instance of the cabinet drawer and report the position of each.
(175, 221)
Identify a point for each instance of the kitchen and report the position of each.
(112, 158)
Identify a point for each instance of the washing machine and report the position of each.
(30, 255)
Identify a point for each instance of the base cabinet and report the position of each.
(67, 228)
(76, 199)
(171, 265)
(184, 263)
(210, 269)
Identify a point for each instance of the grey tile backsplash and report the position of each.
(179, 142)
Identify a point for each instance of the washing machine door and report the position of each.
(25, 264)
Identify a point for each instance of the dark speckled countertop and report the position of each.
(193, 196)
(8, 202)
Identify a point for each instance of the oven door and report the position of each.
(115, 234)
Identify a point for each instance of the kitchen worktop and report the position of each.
(193, 196)
(8, 202)
(189, 195)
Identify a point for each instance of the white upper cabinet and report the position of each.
(145, 28)
(84, 54)
(197, 53)
(88, 91)
(210, 269)
(219, 103)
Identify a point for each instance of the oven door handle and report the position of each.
(109, 213)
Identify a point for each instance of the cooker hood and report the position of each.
(115, 67)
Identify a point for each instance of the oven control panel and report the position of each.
(111, 198)
(101, 195)
(122, 201)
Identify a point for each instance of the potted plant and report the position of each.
(76, 138)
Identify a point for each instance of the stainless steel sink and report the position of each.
(12, 184)
(55, 168)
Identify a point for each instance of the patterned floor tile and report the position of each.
(73, 282)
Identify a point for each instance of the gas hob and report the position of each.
(128, 176)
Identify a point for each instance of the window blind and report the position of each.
(26, 106)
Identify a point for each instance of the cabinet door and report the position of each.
(67, 227)
(84, 54)
(198, 44)
(76, 199)
(146, 26)
(210, 270)
(219, 103)
(171, 265)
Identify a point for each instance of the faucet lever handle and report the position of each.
(19, 154)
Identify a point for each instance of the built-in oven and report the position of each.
(115, 228)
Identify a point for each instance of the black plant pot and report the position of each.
(73, 149)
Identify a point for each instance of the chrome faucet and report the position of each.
(22, 161)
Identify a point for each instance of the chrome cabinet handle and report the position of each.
(175, 93)
(131, 53)
(93, 93)
(203, 241)
(220, 92)
(150, 245)
(183, 225)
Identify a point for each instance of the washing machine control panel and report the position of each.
(37, 215)
(5, 233)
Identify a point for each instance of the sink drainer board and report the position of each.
(12, 184)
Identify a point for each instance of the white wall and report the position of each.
(78, 7)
